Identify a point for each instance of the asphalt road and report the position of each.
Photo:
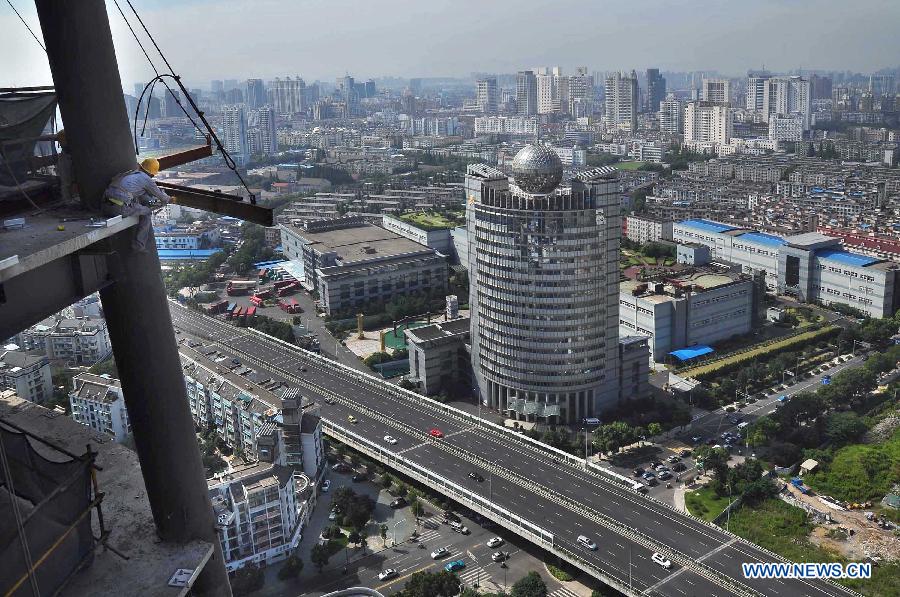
(526, 474)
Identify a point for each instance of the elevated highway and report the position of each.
(546, 495)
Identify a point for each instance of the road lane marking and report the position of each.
(404, 577)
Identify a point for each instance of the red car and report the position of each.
(436, 432)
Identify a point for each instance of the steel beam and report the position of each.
(184, 157)
(220, 203)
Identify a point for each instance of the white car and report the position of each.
(495, 542)
(332, 516)
(440, 553)
(386, 574)
(661, 560)
(391, 440)
(326, 485)
(587, 542)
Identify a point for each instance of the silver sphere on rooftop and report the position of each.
(537, 169)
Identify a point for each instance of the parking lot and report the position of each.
(427, 546)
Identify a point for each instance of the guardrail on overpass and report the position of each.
(510, 521)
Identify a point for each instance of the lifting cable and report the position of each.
(229, 161)
(26, 25)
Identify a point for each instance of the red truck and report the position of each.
(239, 287)
(216, 308)
(256, 300)
(290, 306)
(289, 289)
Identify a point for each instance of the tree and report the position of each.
(844, 428)
(415, 506)
(530, 585)
(291, 568)
(383, 531)
(363, 540)
(430, 584)
(387, 481)
(761, 431)
(319, 556)
(353, 537)
(713, 459)
(654, 429)
(247, 580)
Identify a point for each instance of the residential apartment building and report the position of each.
(810, 266)
(656, 89)
(706, 122)
(526, 93)
(28, 375)
(571, 156)
(622, 100)
(288, 95)
(351, 263)
(644, 229)
(97, 402)
(705, 306)
(581, 94)
(785, 96)
(170, 237)
(756, 91)
(506, 125)
(552, 90)
(487, 95)
(234, 126)
(786, 128)
(717, 91)
(77, 340)
(671, 115)
(261, 135)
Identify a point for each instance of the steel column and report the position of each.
(86, 76)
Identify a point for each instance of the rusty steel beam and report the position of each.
(220, 203)
(184, 157)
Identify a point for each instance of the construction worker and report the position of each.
(128, 195)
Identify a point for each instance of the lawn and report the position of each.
(701, 370)
(629, 165)
(704, 503)
(785, 530)
(860, 472)
(429, 221)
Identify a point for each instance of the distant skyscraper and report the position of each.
(346, 90)
(786, 96)
(138, 89)
(170, 104)
(261, 137)
(234, 127)
(656, 89)
(544, 290)
(415, 86)
(216, 86)
(230, 84)
(370, 88)
(256, 94)
(756, 90)
(288, 95)
(671, 115)
(486, 95)
(408, 103)
(526, 93)
(717, 91)
(707, 122)
(234, 95)
(882, 85)
(552, 90)
(820, 87)
(622, 100)
(581, 93)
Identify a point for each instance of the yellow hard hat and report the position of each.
(150, 166)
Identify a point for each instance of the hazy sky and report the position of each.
(206, 39)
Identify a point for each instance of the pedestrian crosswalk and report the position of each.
(428, 535)
(563, 592)
(474, 574)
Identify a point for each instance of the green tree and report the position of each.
(247, 580)
(843, 428)
(383, 531)
(363, 540)
(353, 537)
(761, 431)
(430, 584)
(713, 459)
(319, 556)
(654, 429)
(291, 568)
(530, 585)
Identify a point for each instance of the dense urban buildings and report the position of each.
(543, 263)
(97, 402)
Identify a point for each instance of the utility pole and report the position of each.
(86, 77)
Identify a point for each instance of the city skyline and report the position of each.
(728, 39)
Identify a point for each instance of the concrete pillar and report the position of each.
(86, 75)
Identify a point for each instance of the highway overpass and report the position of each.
(546, 495)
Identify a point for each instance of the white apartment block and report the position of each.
(705, 122)
(506, 125)
(28, 375)
(671, 115)
(622, 100)
(77, 340)
(717, 91)
(642, 230)
(787, 95)
(552, 90)
(234, 126)
(571, 156)
(786, 128)
(97, 402)
(487, 95)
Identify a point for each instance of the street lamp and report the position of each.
(491, 481)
